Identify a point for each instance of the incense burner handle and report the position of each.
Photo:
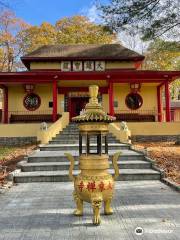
(72, 162)
(115, 165)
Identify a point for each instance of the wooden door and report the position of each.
(77, 104)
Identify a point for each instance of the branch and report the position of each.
(167, 29)
(150, 10)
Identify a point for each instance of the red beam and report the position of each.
(167, 96)
(125, 80)
(54, 101)
(18, 81)
(21, 81)
(138, 64)
(65, 90)
(159, 102)
(112, 75)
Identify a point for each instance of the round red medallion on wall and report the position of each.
(134, 101)
(32, 102)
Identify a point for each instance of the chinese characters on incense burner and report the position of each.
(94, 184)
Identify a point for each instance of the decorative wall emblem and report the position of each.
(32, 101)
(133, 101)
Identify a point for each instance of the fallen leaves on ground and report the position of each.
(166, 155)
(10, 156)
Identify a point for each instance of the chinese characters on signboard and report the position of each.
(66, 66)
(99, 66)
(78, 66)
(89, 66)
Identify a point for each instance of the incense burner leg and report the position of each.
(79, 205)
(107, 207)
(96, 205)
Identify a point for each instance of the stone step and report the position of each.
(49, 164)
(69, 132)
(58, 156)
(70, 135)
(71, 128)
(76, 136)
(66, 147)
(73, 133)
(61, 137)
(74, 141)
(62, 176)
(56, 166)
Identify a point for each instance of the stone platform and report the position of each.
(43, 211)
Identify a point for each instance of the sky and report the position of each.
(37, 11)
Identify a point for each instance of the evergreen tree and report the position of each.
(151, 18)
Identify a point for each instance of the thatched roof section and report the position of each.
(102, 51)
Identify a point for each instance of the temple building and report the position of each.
(58, 76)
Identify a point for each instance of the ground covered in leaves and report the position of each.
(10, 156)
(166, 155)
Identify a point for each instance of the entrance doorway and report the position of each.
(76, 105)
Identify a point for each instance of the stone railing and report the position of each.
(121, 132)
(45, 134)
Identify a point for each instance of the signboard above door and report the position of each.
(78, 66)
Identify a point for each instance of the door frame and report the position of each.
(70, 105)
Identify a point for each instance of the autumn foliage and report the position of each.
(18, 38)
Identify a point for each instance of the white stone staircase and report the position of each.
(48, 163)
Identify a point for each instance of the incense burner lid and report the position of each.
(93, 110)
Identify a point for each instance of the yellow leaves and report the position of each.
(18, 38)
(165, 60)
(10, 41)
(79, 29)
(72, 30)
(37, 36)
(163, 55)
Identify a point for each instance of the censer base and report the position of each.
(94, 190)
(94, 185)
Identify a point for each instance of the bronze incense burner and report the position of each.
(94, 184)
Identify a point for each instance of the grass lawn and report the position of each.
(5, 151)
(166, 155)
